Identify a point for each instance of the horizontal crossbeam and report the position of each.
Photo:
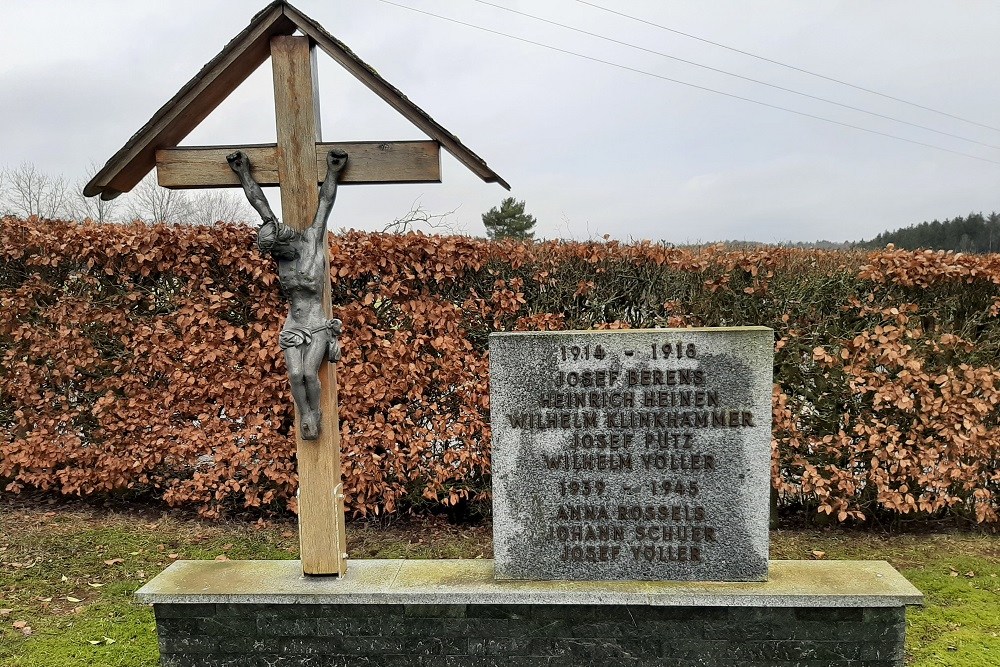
(368, 162)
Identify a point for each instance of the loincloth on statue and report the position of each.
(293, 335)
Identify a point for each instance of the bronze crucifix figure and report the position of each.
(308, 338)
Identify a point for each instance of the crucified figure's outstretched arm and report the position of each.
(240, 164)
(336, 159)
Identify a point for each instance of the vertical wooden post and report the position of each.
(322, 541)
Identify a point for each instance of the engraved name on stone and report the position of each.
(631, 454)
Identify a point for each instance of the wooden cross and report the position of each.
(297, 164)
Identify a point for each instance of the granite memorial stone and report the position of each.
(640, 454)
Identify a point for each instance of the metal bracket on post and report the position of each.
(338, 498)
(298, 520)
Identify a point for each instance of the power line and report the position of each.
(738, 76)
(786, 65)
(690, 85)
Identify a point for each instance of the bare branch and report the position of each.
(210, 206)
(31, 192)
(437, 222)
(151, 203)
(93, 208)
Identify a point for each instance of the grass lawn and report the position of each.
(67, 574)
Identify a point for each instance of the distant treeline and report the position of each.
(973, 233)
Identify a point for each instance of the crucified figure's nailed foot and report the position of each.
(309, 423)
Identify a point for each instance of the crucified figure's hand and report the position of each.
(239, 163)
(336, 159)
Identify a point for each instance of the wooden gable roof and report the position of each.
(226, 71)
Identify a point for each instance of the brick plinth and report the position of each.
(455, 614)
(251, 635)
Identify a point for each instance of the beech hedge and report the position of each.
(142, 361)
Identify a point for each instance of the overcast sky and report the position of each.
(593, 149)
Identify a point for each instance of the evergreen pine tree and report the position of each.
(509, 221)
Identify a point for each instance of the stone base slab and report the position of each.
(453, 613)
